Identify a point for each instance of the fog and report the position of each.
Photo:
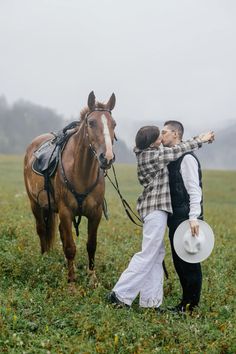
(164, 60)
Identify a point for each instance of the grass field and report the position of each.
(39, 313)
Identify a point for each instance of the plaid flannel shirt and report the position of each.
(153, 175)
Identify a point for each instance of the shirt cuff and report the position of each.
(198, 140)
(193, 218)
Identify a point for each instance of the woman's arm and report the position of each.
(168, 154)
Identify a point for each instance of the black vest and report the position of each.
(178, 192)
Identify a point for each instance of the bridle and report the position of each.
(87, 134)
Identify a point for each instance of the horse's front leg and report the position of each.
(69, 247)
(93, 223)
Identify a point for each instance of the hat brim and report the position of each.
(204, 252)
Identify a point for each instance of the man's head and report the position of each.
(148, 136)
(172, 133)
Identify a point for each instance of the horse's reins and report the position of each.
(130, 213)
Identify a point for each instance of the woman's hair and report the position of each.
(146, 136)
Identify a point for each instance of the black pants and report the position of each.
(190, 274)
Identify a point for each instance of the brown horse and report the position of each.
(79, 175)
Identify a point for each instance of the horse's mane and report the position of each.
(86, 110)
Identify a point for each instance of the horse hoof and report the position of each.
(93, 283)
(71, 278)
(71, 288)
(93, 280)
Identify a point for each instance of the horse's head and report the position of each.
(100, 129)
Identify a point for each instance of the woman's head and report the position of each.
(146, 136)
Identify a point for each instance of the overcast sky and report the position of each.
(162, 58)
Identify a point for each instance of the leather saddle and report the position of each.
(47, 155)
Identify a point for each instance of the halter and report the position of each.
(86, 125)
(97, 110)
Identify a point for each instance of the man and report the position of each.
(185, 180)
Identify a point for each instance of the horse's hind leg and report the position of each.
(69, 247)
(92, 244)
(46, 231)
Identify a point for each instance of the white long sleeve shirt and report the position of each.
(189, 172)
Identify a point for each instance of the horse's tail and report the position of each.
(50, 219)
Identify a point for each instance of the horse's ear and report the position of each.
(91, 101)
(111, 103)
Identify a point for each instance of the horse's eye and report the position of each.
(114, 123)
(92, 123)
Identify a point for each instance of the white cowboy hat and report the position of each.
(193, 249)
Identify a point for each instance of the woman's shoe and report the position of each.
(160, 310)
(113, 299)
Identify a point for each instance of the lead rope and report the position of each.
(126, 205)
(129, 211)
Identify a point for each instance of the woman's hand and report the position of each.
(207, 137)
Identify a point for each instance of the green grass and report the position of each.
(39, 313)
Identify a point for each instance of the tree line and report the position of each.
(22, 121)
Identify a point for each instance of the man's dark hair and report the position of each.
(146, 136)
(175, 125)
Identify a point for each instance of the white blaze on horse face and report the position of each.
(109, 153)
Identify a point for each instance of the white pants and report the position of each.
(144, 274)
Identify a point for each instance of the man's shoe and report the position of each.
(113, 299)
(182, 308)
(177, 309)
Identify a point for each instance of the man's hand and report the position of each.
(194, 225)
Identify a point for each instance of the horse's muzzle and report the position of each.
(104, 163)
